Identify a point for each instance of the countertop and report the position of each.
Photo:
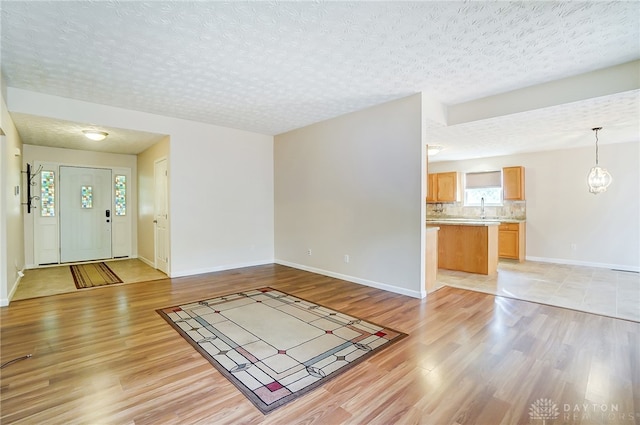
(466, 220)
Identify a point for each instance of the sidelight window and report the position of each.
(121, 195)
(47, 194)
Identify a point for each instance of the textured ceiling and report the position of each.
(270, 67)
(559, 127)
(66, 134)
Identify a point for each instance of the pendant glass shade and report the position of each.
(599, 180)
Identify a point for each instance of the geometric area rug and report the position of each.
(275, 347)
(89, 275)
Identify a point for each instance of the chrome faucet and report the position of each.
(482, 208)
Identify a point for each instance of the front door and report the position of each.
(85, 214)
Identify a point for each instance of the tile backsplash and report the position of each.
(515, 210)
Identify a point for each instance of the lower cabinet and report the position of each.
(511, 241)
(431, 260)
(468, 248)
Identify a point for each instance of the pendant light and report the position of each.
(599, 178)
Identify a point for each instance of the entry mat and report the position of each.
(275, 347)
(93, 274)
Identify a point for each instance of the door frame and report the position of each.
(165, 268)
(43, 254)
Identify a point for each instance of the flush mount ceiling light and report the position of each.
(434, 149)
(599, 178)
(96, 135)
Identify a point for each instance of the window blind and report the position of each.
(481, 180)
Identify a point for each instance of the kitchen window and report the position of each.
(487, 185)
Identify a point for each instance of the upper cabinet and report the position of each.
(442, 187)
(448, 187)
(513, 183)
(432, 185)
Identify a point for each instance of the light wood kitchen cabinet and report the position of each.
(511, 241)
(431, 260)
(442, 187)
(513, 183)
(432, 184)
(468, 248)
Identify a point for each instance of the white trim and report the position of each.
(100, 260)
(118, 221)
(584, 263)
(365, 282)
(120, 170)
(4, 302)
(220, 268)
(168, 215)
(147, 262)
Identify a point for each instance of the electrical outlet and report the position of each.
(574, 247)
(309, 252)
(346, 258)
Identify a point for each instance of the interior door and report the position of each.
(161, 216)
(85, 214)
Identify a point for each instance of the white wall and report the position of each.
(605, 228)
(11, 236)
(353, 185)
(221, 200)
(221, 182)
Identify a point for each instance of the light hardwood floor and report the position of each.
(106, 357)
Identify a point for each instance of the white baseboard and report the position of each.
(365, 282)
(4, 302)
(44, 266)
(192, 272)
(147, 262)
(622, 267)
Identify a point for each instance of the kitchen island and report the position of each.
(467, 245)
(431, 259)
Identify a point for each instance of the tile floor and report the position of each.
(594, 290)
(58, 279)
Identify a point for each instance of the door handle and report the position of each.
(155, 221)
